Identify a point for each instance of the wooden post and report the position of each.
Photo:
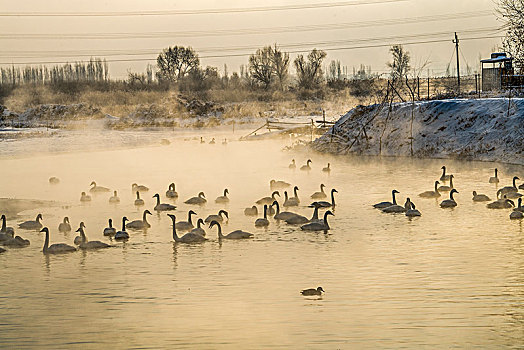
(428, 87)
(456, 42)
(418, 87)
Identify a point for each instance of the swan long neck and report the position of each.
(265, 211)
(436, 186)
(393, 193)
(175, 236)
(3, 224)
(515, 182)
(123, 224)
(443, 171)
(157, 200)
(225, 192)
(451, 182)
(295, 191)
(315, 214)
(496, 171)
(220, 235)
(326, 219)
(110, 223)
(137, 195)
(189, 217)
(322, 188)
(333, 199)
(83, 235)
(278, 208)
(46, 242)
(144, 217)
(451, 195)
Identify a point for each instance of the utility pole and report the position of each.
(456, 42)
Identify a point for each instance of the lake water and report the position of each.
(451, 278)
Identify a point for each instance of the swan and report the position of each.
(188, 237)
(200, 200)
(122, 235)
(85, 197)
(503, 203)
(444, 177)
(508, 189)
(162, 206)
(398, 208)
(321, 194)
(282, 215)
(223, 199)
(2, 250)
(53, 180)
(212, 142)
(268, 200)
(494, 179)
(383, 205)
(521, 187)
(114, 198)
(447, 188)
(202, 140)
(218, 217)
(278, 185)
(413, 211)
(251, 211)
(327, 169)
(140, 188)
(325, 204)
(55, 248)
(237, 234)
(293, 201)
(315, 211)
(318, 225)
(224, 142)
(307, 166)
(516, 215)
(17, 242)
(199, 230)
(480, 197)
(519, 206)
(32, 224)
(78, 239)
(186, 225)
(431, 194)
(139, 201)
(262, 222)
(513, 195)
(109, 231)
(449, 203)
(64, 226)
(171, 193)
(6, 230)
(140, 224)
(293, 165)
(96, 188)
(312, 291)
(90, 245)
(297, 220)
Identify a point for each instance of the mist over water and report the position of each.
(451, 278)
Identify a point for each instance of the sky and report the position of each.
(129, 34)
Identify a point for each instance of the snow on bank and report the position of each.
(487, 129)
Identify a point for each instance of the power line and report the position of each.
(202, 11)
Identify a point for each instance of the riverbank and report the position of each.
(484, 129)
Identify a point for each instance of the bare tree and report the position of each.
(280, 65)
(175, 62)
(400, 66)
(511, 12)
(309, 73)
(260, 66)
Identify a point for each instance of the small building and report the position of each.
(498, 73)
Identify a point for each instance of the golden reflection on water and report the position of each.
(451, 278)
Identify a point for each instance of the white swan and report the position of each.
(293, 165)
(278, 185)
(412, 212)
(513, 195)
(327, 169)
(64, 226)
(318, 225)
(383, 205)
(293, 201)
(140, 224)
(199, 200)
(519, 206)
(109, 231)
(139, 201)
(297, 220)
(398, 208)
(96, 188)
(114, 198)
(445, 188)
(171, 192)
(32, 224)
(122, 235)
(162, 206)
(85, 197)
(188, 237)
(140, 188)
(253, 211)
(268, 200)
(508, 189)
(444, 177)
(78, 239)
(90, 245)
(218, 217)
(449, 203)
(6, 230)
(494, 179)
(199, 230)
(16, 242)
(224, 198)
(57, 247)
(431, 194)
(321, 194)
(306, 167)
(325, 204)
(237, 234)
(516, 215)
(480, 197)
(186, 225)
(282, 215)
(262, 222)
(503, 203)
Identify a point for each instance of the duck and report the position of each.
(212, 142)
(224, 198)
(96, 188)
(503, 203)
(199, 230)
(325, 204)
(449, 203)
(444, 177)
(508, 189)
(293, 201)
(90, 245)
(65, 226)
(253, 211)
(171, 193)
(16, 242)
(413, 211)
(318, 225)
(85, 197)
(114, 198)
(268, 200)
(285, 215)
(445, 188)
(262, 222)
(140, 188)
(32, 224)
(139, 201)
(162, 206)
(237, 234)
(218, 217)
(293, 165)
(431, 194)
(140, 224)
(398, 208)
(494, 179)
(306, 167)
(312, 291)
(109, 231)
(327, 169)
(56, 248)
(188, 237)
(122, 235)
(186, 225)
(78, 239)
(321, 194)
(6, 230)
(199, 200)
(383, 205)
(480, 197)
(53, 180)
(278, 185)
